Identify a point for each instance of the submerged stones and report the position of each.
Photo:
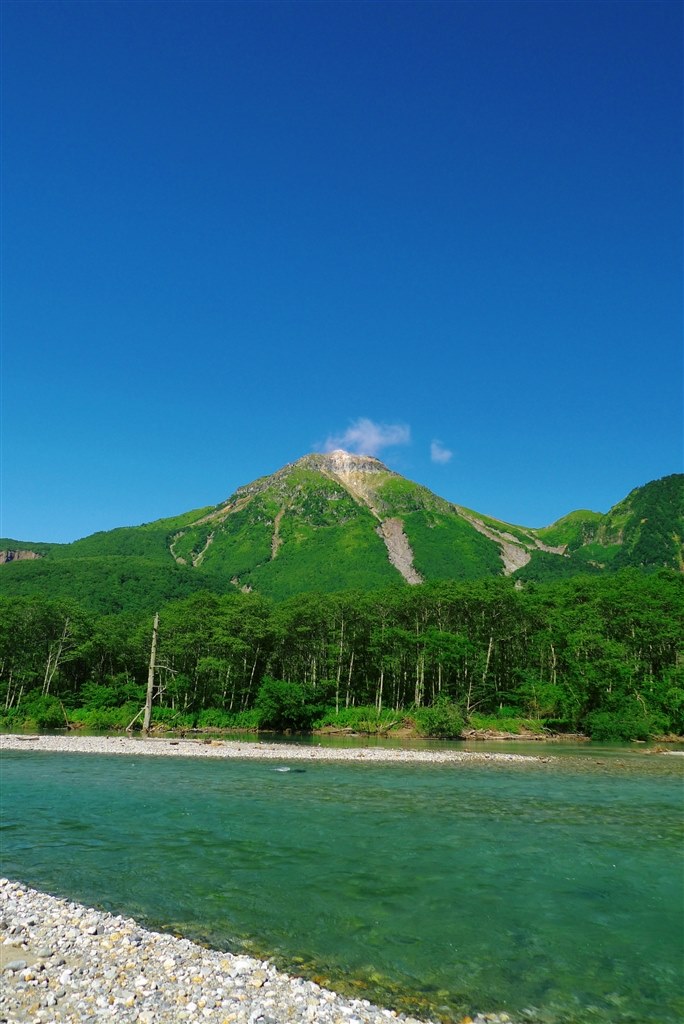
(63, 963)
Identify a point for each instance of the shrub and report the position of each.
(44, 712)
(361, 719)
(172, 717)
(285, 706)
(218, 718)
(117, 691)
(504, 723)
(629, 723)
(442, 720)
(104, 718)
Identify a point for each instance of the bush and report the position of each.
(117, 691)
(172, 717)
(503, 723)
(218, 718)
(42, 712)
(285, 706)
(630, 723)
(442, 720)
(360, 719)
(104, 718)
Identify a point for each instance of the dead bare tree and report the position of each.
(150, 675)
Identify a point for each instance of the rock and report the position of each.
(16, 965)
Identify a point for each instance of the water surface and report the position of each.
(550, 891)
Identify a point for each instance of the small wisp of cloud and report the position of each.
(364, 437)
(438, 453)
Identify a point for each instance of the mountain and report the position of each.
(338, 521)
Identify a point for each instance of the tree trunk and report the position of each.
(349, 679)
(339, 669)
(150, 675)
(54, 658)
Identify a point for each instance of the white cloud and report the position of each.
(438, 453)
(364, 437)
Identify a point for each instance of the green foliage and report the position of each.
(572, 531)
(106, 585)
(150, 541)
(112, 694)
(446, 547)
(525, 535)
(631, 722)
(562, 653)
(325, 559)
(300, 530)
(363, 719)
(401, 497)
(284, 707)
(241, 541)
(443, 719)
(189, 544)
(545, 567)
(217, 718)
(645, 530)
(106, 718)
(506, 720)
(654, 525)
(39, 548)
(169, 719)
(43, 712)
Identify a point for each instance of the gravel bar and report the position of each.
(63, 963)
(247, 751)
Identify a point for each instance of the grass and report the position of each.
(506, 723)
(366, 719)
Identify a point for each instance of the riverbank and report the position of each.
(166, 747)
(63, 963)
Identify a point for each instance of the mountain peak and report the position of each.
(342, 463)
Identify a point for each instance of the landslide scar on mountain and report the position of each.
(514, 553)
(354, 473)
(399, 549)
(197, 560)
(276, 540)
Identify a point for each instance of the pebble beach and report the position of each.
(63, 963)
(165, 747)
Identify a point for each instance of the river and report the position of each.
(551, 891)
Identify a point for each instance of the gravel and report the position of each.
(249, 751)
(63, 963)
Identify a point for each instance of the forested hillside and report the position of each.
(597, 654)
(335, 590)
(335, 522)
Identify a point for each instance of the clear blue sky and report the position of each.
(235, 233)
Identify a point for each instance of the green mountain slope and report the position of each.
(337, 522)
(643, 531)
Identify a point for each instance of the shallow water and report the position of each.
(554, 888)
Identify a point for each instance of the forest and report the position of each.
(597, 655)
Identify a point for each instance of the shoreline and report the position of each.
(235, 750)
(64, 963)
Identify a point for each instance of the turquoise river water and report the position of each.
(552, 891)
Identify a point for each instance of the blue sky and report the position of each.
(448, 234)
